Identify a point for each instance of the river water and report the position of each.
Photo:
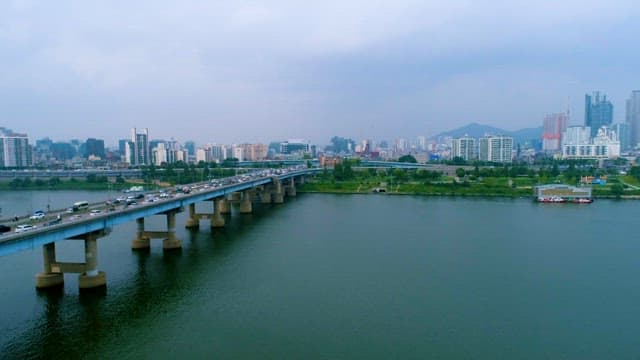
(342, 277)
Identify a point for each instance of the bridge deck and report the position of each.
(15, 242)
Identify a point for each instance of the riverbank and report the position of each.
(497, 188)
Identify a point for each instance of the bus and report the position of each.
(80, 205)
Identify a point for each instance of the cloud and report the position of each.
(326, 67)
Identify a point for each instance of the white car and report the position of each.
(37, 216)
(23, 228)
(95, 212)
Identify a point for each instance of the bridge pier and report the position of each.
(245, 203)
(236, 197)
(89, 278)
(171, 242)
(193, 222)
(48, 278)
(141, 242)
(265, 196)
(291, 189)
(225, 206)
(278, 193)
(217, 220)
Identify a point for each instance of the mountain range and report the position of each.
(476, 130)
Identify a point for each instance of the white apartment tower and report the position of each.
(495, 149)
(464, 147)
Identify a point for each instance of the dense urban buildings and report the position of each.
(292, 146)
(94, 148)
(598, 112)
(578, 144)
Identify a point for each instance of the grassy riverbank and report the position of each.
(414, 183)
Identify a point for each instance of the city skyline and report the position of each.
(255, 72)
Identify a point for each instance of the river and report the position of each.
(342, 277)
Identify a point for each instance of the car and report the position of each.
(4, 229)
(95, 212)
(37, 216)
(24, 227)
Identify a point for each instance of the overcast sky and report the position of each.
(236, 71)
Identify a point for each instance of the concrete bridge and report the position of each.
(268, 188)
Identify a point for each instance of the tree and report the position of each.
(617, 190)
(230, 162)
(54, 181)
(400, 175)
(407, 159)
(460, 172)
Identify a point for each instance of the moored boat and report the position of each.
(582, 201)
(552, 199)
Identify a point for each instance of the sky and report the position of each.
(260, 71)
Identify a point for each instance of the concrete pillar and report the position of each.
(301, 180)
(192, 221)
(236, 197)
(291, 189)
(171, 242)
(278, 194)
(245, 203)
(91, 277)
(47, 278)
(265, 196)
(225, 207)
(217, 220)
(141, 242)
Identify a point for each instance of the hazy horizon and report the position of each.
(234, 72)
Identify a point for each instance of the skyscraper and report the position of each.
(554, 126)
(598, 112)
(94, 147)
(140, 154)
(633, 118)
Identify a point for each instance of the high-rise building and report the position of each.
(598, 112)
(422, 143)
(254, 152)
(622, 130)
(190, 147)
(553, 127)
(495, 149)
(160, 154)
(15, 150)
(633, 119)
(94, 147)
(139, 148)
(464, 147)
